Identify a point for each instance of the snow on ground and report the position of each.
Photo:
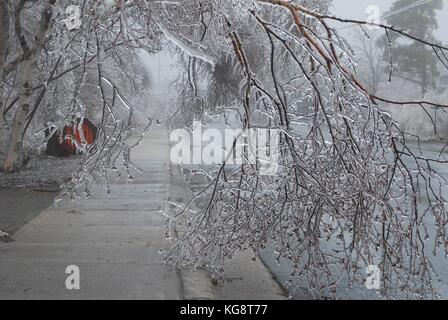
(40, 173)
(417, 121)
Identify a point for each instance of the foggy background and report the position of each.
(356, 9)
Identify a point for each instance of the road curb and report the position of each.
(195, 284)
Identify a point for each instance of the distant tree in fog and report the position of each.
(411, 58)
(372, 68)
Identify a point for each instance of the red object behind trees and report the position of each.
(72, 139)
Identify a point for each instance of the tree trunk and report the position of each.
(15, 151)
(4, 39)
(14, 155)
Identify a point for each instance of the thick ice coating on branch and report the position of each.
(188, 48)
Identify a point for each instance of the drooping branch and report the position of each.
(348, 186)
(296, 10)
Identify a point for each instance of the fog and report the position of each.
(356, 9)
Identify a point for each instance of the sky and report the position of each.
(357, 9)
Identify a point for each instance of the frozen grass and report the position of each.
(40, 173)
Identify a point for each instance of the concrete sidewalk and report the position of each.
(115, 241)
